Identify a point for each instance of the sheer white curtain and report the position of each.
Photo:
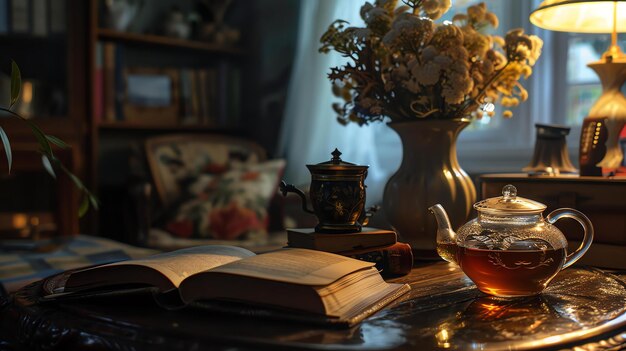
(310, 131)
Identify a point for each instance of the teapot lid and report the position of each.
(509, 203)
(337, 164)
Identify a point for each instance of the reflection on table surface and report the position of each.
(443, 310)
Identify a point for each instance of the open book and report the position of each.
(342, 290)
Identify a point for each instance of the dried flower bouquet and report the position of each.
(404, 66)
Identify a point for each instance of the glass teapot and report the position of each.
(510, 249)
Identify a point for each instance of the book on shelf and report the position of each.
(211, 96)
(98, 101)
(222, 93)
(120, 83)
(39, 17)
(20, 16)
(234, 97)
(195, 103)
(108, 81)
(187, 114)
(32, 17)
(296, 284)
(369, 237)
(391, 260)
(202, 95)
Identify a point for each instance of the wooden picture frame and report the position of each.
(151, 95)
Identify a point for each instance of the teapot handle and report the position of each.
(584, 222)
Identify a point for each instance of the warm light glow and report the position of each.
(19, 221)
(582, 16)
(27, 92)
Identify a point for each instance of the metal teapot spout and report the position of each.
(289, 188)
(446, 237)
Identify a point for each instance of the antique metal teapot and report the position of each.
(510, 249)
(337, 194)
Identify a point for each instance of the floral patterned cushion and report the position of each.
(229, 206)
(178, 164)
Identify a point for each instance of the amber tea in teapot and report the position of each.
(516, 272)
(510, 249)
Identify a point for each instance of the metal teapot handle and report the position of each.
(367, 214)
(584, 222)
(290, 188)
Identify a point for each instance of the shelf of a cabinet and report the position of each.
(157, 40)
(130, 126)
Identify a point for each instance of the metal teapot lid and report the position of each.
(337, 164)
(509, 204)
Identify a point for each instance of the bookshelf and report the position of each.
(65, 61)
(116, 126)
(49, 45)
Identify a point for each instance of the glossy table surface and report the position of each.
(581, 307)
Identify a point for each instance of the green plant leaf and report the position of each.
(7, 147)
(46, 149)
(57, 141)
(94, 201)
(16, 83)
(84, 206)
(48, 166)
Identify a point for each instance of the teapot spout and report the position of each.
(446, 237)
(443, 222)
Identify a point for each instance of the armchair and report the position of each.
(208, 188)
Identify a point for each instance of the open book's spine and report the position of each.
(396, 259)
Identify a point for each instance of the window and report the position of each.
(561, 89)
(558, 94)
(491, 144)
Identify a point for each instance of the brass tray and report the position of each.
(583, 308)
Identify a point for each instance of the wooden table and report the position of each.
(583, 307)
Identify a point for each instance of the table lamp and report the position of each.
(599, 139)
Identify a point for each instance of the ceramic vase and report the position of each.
(429, 174)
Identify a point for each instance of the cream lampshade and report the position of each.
(599, 140)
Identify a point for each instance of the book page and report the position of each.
(178, 265)
(297, 266)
